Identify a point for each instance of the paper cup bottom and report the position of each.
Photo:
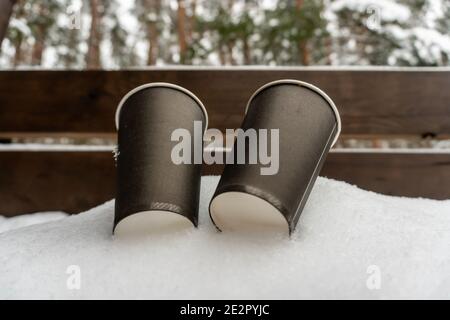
(240, 211)
(151, 222)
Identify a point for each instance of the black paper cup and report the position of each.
(155, 194)
(308, 125)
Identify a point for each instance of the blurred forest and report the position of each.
(91, 34)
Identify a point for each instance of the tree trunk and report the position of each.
(245, 40)
(192, 21)
(6, 7)
(153, 44)
(38, 49)
(303, 43)
(152, 7)
(303, 48)
(230, 42)
(93, 54)
(222, 58)
(182, 42)
(230, 46)
(247, 53)
(18, 52)
(328, 49)
(39, 39)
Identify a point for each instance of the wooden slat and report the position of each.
(76, 181)
(47, 181)
(410, 175)
(370, 101)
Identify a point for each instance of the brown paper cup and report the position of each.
(308, 124)
(154, 194)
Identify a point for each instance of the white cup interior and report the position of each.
(240, 211)
(153, 222)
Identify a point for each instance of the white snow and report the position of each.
(346, 237)
(389, 10)
(431, 38)
(430, 45)
(7, 224)
(20, 25)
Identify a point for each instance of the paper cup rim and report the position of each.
(306, 85)
(160, 85)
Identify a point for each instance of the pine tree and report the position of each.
(149, 14)
(366, 36)
(429, 41)
(222, 31)
(31, 25)
(230, 32)
(93, 56)
(290, 28)
(443, 26)
(42, 23)
(18, 32)
(123, 54)
(181, 28)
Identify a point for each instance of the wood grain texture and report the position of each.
(76, 181)
(370, 101)
(47, 181)
(410, 175)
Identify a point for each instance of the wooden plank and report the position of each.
(370, 101)
(409, 175)
(47, 181)
(76, 181)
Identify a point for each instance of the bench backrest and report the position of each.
(372, 102)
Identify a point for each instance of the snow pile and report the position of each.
(7, 224)
(350, 243)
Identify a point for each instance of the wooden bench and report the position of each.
(408, 103)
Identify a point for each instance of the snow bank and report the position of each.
(347, 238)
(7, 224)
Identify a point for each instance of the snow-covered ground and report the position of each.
(350, 243)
